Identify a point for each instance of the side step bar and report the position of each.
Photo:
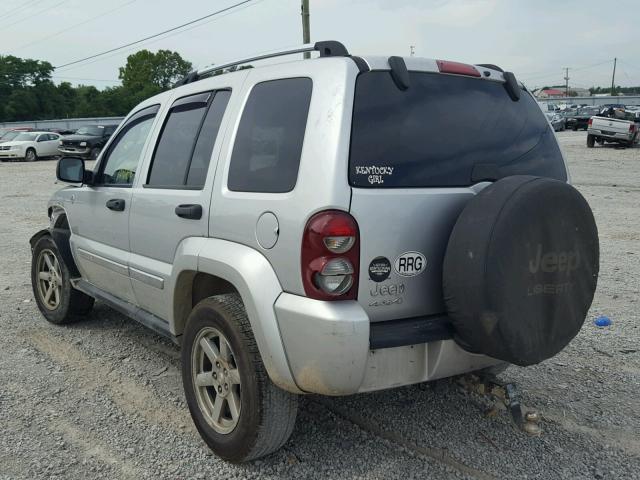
(141, 316)
(409, 331)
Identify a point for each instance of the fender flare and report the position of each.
(256, 282)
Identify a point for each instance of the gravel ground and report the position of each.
(103, 398)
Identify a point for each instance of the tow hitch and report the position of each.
(506, 392)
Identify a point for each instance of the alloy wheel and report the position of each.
(49, 279)
(216, 380)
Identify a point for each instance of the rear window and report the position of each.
(444, 131)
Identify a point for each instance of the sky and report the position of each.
(536, 39)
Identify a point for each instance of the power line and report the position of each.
(155, 35)
(40, 12)
(533, 76)
(60, 32)
(20, 9)
(55, 77)
(148, 42)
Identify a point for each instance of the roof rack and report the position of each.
(328, 48)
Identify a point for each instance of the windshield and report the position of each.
(94, 130)
(589, 111)
(25, 137)
(437, 131)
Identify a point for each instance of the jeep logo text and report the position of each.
(554, 261)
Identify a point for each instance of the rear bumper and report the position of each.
(328, 347)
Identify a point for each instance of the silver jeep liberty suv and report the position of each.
(333, 225)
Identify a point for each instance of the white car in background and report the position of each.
(30, 146)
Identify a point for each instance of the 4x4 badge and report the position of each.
(410, 264)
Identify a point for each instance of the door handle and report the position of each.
(115, 204)
(192, 212)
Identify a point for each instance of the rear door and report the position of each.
(172, 200)
(417, 157)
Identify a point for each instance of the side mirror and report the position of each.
(71, 170)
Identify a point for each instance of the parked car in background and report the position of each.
(12, 133)
(556, 121)
(580, 119)
(61, 131)
(621, 127)
(87, 141)
(30, 146)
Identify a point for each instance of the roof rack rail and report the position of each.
(328, 48)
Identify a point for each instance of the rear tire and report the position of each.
(591, 139)
(239, 412)
(56, 298)
(30, 155)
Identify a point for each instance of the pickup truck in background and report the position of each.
(580, 119)
(622, 127)
(87, 141)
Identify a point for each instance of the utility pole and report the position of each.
(613, 77)
(566, 82)
(412, 48)
(306, 29)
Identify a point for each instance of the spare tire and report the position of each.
(521, 268)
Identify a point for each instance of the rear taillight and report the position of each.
(456, 68)
(590, 121)
(632, 128)
(331, 256)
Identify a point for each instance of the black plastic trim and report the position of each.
(409, 331)
(136, 313)
(331, 48)
(399, 72)
(362, 65)
(511, 85)
(188, 78)
(61, 238)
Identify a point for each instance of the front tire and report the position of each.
(30, 155)
(591, 139)
(58, 301)
(239, 412)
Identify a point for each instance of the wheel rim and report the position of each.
(216, 380)
(49, 279)
(30, 155)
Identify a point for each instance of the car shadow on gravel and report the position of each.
(439, 424)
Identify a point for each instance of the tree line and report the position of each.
(27, 91)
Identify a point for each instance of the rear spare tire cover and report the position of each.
(521, 268)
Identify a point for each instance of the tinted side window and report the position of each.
(267, 149)
(173, 152)
(186, 143)
(207, 139)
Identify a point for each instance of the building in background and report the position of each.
(549, 93)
